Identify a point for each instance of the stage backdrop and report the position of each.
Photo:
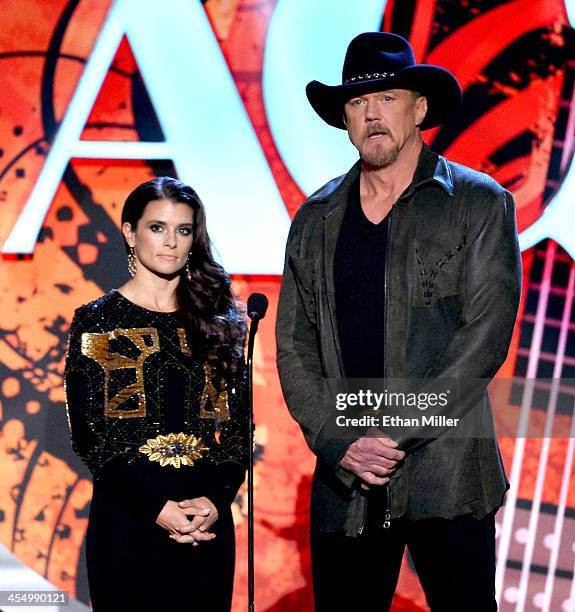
(97, 96)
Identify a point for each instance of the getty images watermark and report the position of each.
(367, 399)
(461, 408)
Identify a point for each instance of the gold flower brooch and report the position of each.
(174, 449)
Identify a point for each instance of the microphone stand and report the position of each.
(252, 335)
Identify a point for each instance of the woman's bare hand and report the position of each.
(174, 519)
(205, 515)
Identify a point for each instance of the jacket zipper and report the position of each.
(364, 519)
(387, 510)
(387, 513)
(331, 316)
(339, 361)
(335, 338)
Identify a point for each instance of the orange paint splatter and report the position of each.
(11, 387)
(33, 407)
(87, 253)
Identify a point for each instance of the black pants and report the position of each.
(454, 559)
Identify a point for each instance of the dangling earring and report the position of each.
(188, 271)
(132, 262)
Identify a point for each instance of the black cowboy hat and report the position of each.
(377, 61)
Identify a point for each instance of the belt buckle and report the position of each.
(174, 449)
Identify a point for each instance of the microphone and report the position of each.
(257, 306)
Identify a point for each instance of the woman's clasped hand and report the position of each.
(189, 521)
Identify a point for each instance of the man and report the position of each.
(406, 267)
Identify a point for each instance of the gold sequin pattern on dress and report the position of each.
(218, 398)
(96, 347)
(174, 449)
(184, 341)
(175, 384)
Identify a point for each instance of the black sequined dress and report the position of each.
(132, 379)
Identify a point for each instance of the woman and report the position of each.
(153, 386)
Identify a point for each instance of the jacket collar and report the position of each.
(431, 169)
(337, 190)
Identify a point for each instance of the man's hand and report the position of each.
(372, 459)
(174, 519)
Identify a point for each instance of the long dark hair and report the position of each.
(216, 323)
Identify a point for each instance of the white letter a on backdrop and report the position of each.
(209, 136)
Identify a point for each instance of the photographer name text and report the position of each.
(386, 420)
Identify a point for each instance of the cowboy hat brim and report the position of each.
(435, 83)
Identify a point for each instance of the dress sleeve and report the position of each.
(231, 454)
(84, 383)
(139, 483)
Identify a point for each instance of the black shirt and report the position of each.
(359, 276)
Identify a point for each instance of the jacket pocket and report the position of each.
(438, 267)
(304, 273)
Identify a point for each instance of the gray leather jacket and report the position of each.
(452, 291)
